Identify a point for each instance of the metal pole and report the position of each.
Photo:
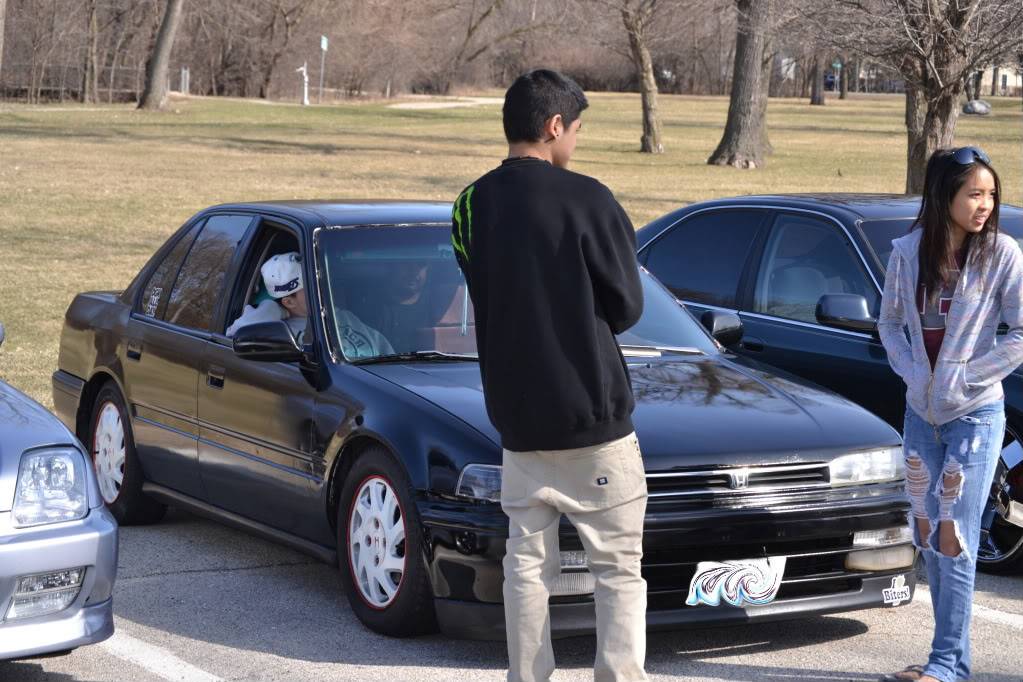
(323, 58)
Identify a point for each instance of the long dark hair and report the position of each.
(945, 176)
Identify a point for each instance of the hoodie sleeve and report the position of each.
(891, 324)
(1007, 354)
(610, 253)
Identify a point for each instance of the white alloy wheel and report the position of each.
(108, 451)
(376, 542)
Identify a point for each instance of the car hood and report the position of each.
(697, 411)
(24, 424)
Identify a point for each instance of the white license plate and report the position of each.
(742, 582)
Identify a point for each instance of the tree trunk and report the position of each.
(843, 85)
(817, 83)
(3, 13)
(650, 142)
(154, 96)
(744, 143)
(916, 147)
(978, 78)
(90, 83)
(994, 72)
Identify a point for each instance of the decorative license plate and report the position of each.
(745, 581)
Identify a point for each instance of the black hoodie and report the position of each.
(550, 259)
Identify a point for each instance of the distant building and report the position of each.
(1008, 80)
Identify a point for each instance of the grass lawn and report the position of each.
(88, 193)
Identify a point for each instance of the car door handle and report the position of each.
(215, 377)
(753, 344)
(134, 351)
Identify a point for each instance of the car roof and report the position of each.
(347, 212)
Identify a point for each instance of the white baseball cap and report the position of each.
(282, 274)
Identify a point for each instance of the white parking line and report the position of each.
(155, 659)
(1013, 620)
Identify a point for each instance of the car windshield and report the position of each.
(880, 233)
(397, 292)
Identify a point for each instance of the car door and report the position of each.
(163, 344)
(255, 418)
(702, 258)
(805, 256)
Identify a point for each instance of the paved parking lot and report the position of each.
(196, 601)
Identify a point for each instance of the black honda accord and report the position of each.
(368, 444)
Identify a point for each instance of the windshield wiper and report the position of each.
(418, 356)
(657, 351)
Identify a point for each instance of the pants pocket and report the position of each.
(606, 475)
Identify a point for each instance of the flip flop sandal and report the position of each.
(918, 670)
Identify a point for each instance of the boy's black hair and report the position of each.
(535, 97)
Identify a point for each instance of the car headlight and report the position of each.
(51, 487)
(872, 466)
(480, 482)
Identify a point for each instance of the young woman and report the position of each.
(950, 282)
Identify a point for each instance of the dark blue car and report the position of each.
(804, 273)
(368, 444)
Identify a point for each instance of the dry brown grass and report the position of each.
(87, 194)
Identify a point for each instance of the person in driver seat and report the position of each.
(282, 277)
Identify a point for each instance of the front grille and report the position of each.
(737, 481)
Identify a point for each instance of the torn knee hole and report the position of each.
(917, 481)
(950, 542)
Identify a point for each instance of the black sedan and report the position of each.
(805, 273)
(368, 444)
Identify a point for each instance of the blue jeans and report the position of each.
(949, 471)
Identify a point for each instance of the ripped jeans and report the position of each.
(949, 471)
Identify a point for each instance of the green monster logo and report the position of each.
(461, 235)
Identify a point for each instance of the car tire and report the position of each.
(1001, 542)
(118, 470)
(380, 541)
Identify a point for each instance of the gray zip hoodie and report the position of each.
(971, 364)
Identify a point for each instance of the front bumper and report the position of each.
(477, 620)
(465, 548)
(90, 542)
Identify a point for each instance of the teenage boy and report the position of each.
(550, 260)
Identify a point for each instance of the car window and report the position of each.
(701, 258)
(157, 291)
(200, 282)
(880, 233)
(805, 258)
(399, 289)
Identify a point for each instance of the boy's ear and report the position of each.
(553, 128)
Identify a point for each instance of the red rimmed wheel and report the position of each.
(380, 543)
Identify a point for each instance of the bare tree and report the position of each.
(744, 143)
(277, 34)
(817, 82)
(154, 96)
(934, 45)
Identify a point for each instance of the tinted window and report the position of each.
(200, 282)
(804, 259)
(157, 292)
(880, 233)
(701, 258)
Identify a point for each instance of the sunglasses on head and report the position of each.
(967, 155)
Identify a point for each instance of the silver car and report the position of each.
(58, 542)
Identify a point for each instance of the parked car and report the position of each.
(385, 463)
(805, 273)
(58, 542)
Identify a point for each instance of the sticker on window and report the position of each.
(154, 301)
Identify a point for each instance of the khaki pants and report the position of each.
(602, 489)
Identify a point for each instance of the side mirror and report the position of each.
(267, 342)
(846, 311)
(726, 328)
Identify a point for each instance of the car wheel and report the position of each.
(380, 542)
(1001, 535)
(117, 466)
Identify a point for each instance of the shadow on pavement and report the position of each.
(27, 671)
